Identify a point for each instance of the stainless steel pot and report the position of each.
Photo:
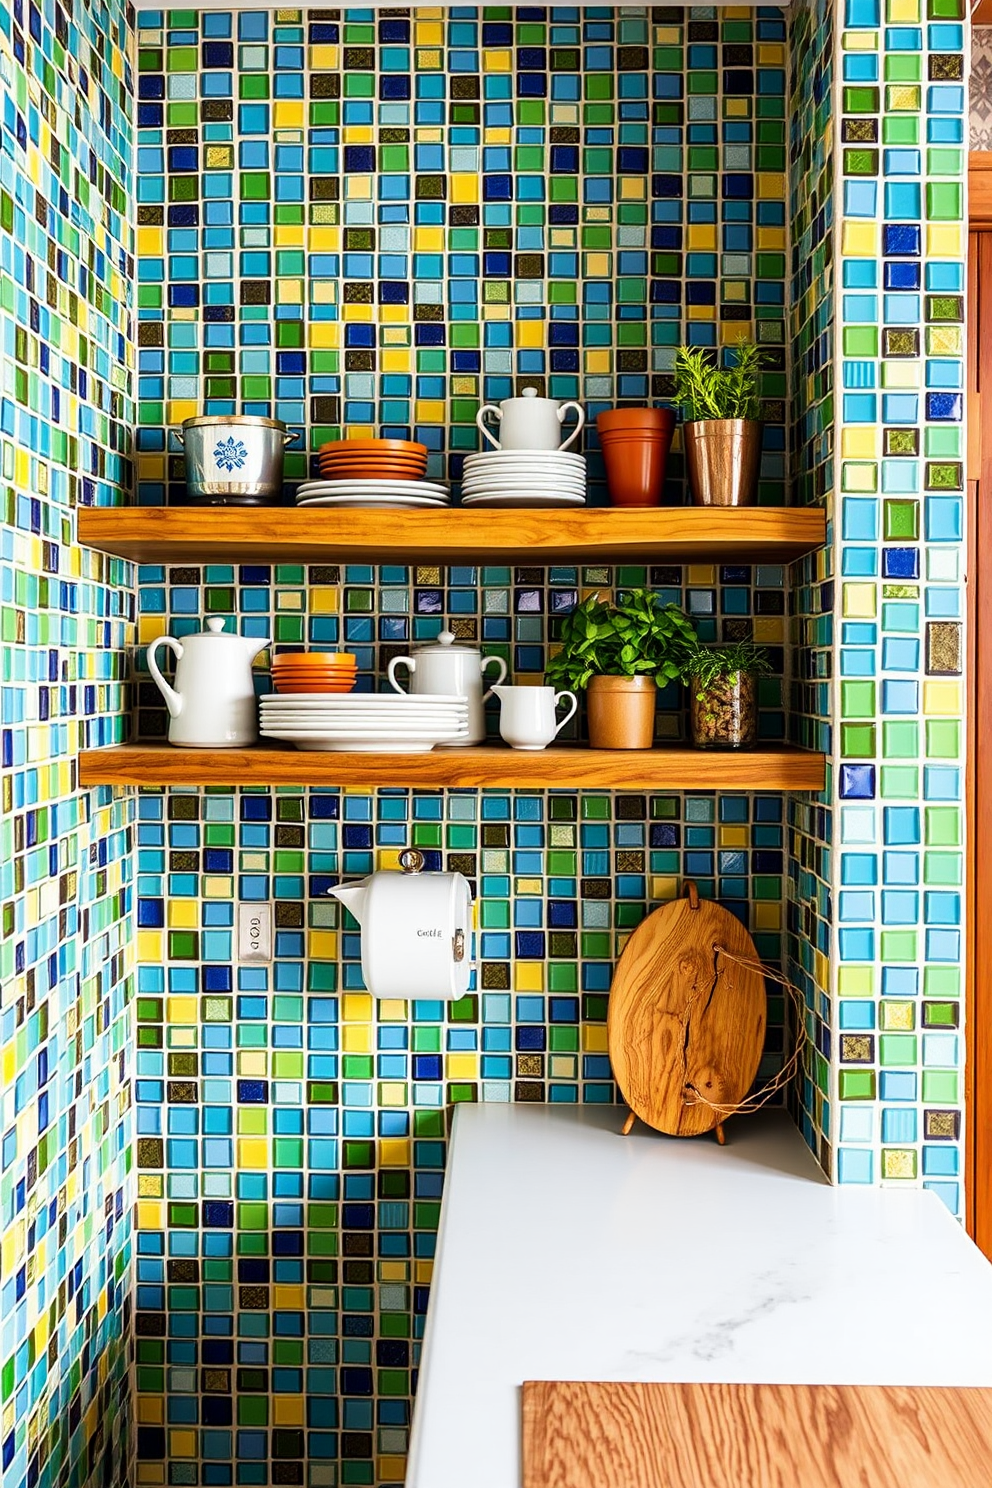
(233, 459)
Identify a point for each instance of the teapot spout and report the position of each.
(353, 897)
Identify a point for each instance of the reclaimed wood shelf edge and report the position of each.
(778, 768)
(595, 534)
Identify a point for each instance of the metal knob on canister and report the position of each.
(234, 459)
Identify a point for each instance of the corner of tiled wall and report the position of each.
(66, 615)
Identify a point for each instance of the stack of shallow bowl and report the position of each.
(524, 478)
(299, 672)
(370, 722)
(372, 472)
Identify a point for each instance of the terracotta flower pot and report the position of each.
(636, 461)
(621, 712)
(633, 418)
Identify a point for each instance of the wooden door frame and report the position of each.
(978, 681)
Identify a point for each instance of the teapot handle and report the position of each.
(571, 712)
(480, 420)
(580, 423)
(406, 661)
(501, 664)
(173, 701)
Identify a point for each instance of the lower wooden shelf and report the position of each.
(774, 768)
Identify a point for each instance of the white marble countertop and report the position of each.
(569, 1252)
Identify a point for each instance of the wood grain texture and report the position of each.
(980, 188)
(682, 1016)
(277, 535)
(636, 769)
(578, 1435)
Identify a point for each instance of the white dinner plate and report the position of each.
(527, 457)
(549, 472)
(523, 498)
(370, 503)
(569, 488)
(364, 725)
(374, 700)
(364, 487)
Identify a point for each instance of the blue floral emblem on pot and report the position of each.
(230, 454)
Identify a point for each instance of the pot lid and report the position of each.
(213, 626)
(447, 645)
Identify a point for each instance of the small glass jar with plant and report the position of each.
(722, 683)
(621, 651)
(721, 430)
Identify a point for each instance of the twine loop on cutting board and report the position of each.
(789, 1070)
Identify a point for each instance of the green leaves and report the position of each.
(706, 390)
(636, 636)
(703, 666)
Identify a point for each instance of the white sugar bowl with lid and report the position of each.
(530, 422)
(446, 666)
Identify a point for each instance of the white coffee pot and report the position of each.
(212, 705)
(444, 666)
(530, 422)
(416, 930)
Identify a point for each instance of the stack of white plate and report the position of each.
(401, 493)
(369, 722)
(524, 478)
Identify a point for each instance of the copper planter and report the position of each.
(723, 457)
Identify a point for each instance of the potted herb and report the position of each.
(721, 430)
(622, 652)
(723, 712)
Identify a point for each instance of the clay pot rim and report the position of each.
(637, 683)
(638, 436)
(624, 418)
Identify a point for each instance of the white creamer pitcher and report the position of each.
(444, 666)
(530, 422)
(527, 715)
(212, 705)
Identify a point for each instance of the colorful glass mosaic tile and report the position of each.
(377, 223)
(66, 617)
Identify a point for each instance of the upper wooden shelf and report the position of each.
(775, 767)
(594, 535)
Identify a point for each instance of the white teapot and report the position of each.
(441, 666)
(530, 422)
(212, 705)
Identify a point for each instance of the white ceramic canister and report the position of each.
(416, 930)
(530, 422)
(446, 666)
(212, 705)
(527, 715)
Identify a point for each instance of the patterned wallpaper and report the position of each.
(66, 617)
(449, 207)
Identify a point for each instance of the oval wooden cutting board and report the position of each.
(683, 1018)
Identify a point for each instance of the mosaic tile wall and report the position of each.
(66, 947)
(379, 222)
(898, 741)
(812, 310)
(465, 206)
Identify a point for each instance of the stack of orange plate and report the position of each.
(372, 459)
(314, 671)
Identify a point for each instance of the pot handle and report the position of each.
(407, 661)
(290, 435)
(480, 421)
(501, 664)
(580, 422)
(181, 436)
(571, 712)
(173, 701)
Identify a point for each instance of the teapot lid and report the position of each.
(214, 626)
(447, 644)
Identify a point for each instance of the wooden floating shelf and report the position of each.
(684, 534)
(772, 768)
